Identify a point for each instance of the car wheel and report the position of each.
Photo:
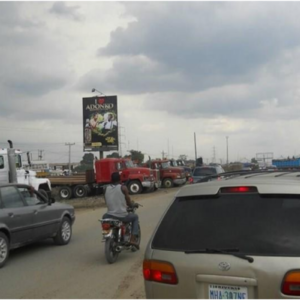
(44, 193)
(80, 191)
(134, 187)
(65, 193)
(168, 183)
(4, 249)
(64, 233)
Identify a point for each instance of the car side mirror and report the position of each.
(51, 200)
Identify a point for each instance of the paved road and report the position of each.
(79, 270)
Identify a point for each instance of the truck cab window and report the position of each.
(1, 162)
(119, 166)
(18, 161)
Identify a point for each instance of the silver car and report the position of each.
(26, 216)
(229, 239)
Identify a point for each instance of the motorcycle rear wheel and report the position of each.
(111, 254)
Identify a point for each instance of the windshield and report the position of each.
(18, 161)
(174, 163)
(255, 224)
(180, 163)
(204, 171)
(165, 165)
(129, 164)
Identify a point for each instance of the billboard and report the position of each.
(100, 123)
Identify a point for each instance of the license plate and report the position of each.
(220, 291)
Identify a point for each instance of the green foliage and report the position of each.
(87, 163)
(137, 156)
(254, 161)
(182, 157)
(113, 155)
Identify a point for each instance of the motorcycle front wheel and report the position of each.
(111, 253)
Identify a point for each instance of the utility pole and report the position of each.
(168, 149)
(214, 154)
(40, 154)
(163, 154)
(227, 150)
(70, 145)
(120, 139)
(195, 147)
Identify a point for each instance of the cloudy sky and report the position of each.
(217, 69)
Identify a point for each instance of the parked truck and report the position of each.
(137, 179)
(169, 176)
(180, 164)
(12, 171)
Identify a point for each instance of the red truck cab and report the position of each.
(169, 176)
(137, 179)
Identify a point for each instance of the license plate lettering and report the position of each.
(227, 292)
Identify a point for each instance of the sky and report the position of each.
(179, 69)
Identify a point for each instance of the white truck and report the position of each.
(12, 171)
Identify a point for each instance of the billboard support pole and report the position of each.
(101, 154)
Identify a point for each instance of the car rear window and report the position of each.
(255, 224)
(204, 171)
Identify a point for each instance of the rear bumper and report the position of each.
(180, 181)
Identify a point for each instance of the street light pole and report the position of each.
(94, 90)
(227, 150)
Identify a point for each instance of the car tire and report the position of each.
(134, 187)
(168, 183)
(4, 249)
(64, 233)
(44, 193)
(65, 193)
(79, 191)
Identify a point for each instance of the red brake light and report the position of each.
(191, 180)
(291, 284)
(105, 226)
(239, 189)
(159, 271)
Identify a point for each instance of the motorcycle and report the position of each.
(117, 235)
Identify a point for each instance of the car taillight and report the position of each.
(159, 271)
(239, 189)
(105, 226)
(191, 180)
(291, 283)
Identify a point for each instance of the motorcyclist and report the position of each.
(117, 200)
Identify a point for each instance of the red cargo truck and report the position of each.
(137, 179)
(169, 176)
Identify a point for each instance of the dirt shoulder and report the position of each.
(94, 202)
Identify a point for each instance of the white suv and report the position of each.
(228, 239)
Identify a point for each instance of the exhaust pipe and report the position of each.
(10, 144)
(119, 248)
(28, 159)
(12, 163)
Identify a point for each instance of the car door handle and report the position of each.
(11, 215)
(35, 212)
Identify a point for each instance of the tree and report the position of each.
(87, 163)
(254, 161)
(182, 157)
(113, 155)
(137, 156)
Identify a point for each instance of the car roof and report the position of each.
(274, 183)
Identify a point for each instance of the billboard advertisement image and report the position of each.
(100, 123)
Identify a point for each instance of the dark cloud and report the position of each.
(195, 46)
(62, 10)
